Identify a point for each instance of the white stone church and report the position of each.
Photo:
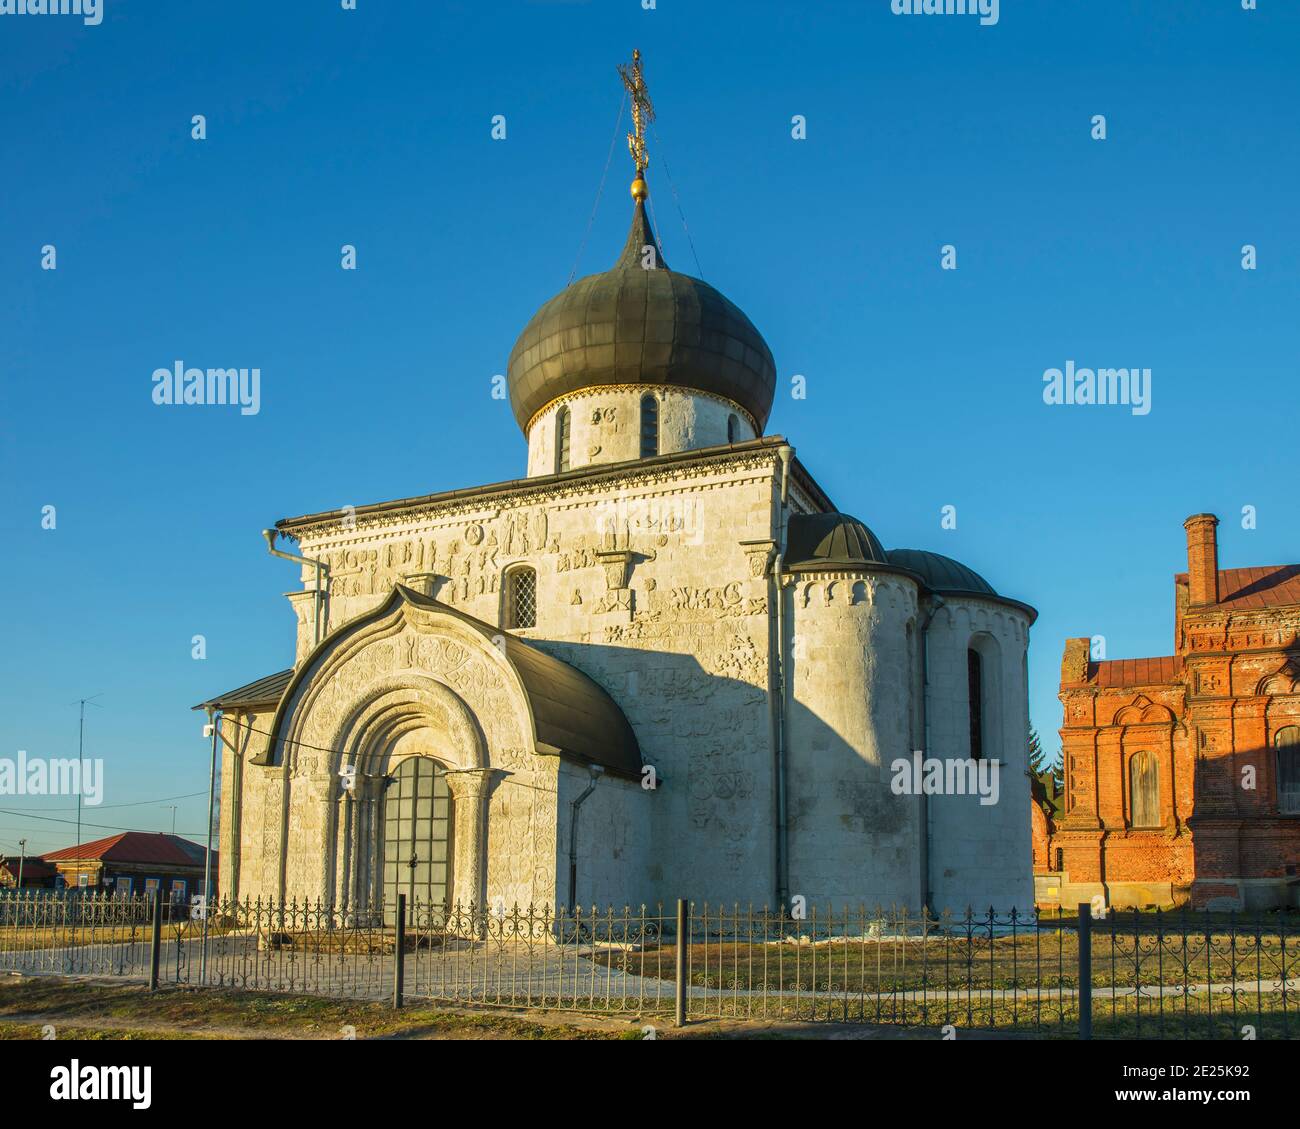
(660, 665)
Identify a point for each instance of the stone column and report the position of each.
(469, 789)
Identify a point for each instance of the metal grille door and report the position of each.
(417, 835)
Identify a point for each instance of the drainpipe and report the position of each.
(927, 892)
(596, 772)
(779, 768)
(322, 578)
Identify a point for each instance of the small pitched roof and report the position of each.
(134, 846)
(1243, 589)
(264, 692)
(1120, 673)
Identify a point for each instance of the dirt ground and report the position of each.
(66, 1008)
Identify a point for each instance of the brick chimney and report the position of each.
(1202, 560)
(1074, 663)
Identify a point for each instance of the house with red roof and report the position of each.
(1182, 772)
(134, 862)
(34, 873)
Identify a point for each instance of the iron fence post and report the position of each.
(155, 939)
(683, 939)
(1085, 970)
(399, 951)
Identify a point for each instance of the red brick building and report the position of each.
(1182, 772)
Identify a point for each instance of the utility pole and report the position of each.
(81, 770)
(214, 725)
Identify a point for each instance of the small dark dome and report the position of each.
(940, 573)
(633, 325)
(830, 541)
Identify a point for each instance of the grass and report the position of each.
(1124, 959)
(91, 1009)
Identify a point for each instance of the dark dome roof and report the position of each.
(831, 540)
(631, 325)
(940, 573)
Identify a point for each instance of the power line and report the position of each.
(100, 826)
(138, 803)
(285, 740)
(600, 189)
(677, 201)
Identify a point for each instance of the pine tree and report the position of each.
(1036, 754)
(1040, 763)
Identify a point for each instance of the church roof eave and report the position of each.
(542, 485)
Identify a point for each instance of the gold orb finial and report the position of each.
(640, 190)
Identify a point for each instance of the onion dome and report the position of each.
(641, 323)
(942, 574)
(830, 541)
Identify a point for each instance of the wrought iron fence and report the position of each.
(1163, 975)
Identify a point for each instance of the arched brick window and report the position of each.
(649, 427)
(1287, 743)
(521, 597)
(1144, 790)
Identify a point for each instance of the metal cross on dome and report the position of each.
(643, 110)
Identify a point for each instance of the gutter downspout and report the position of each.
(596, 771)
(927, 891)
(321, 593)
(785, 453)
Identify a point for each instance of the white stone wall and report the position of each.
(605, 425)
(852, 840)
(648, 586)
(653, 584)
(615, 838)
(981, 855)
(245, 866)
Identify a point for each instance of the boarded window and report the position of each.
(975, 697)
(521, 598)
(1144, 790)
(562, 440)
(1287, 743)
(649, 426)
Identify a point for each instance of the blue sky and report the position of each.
(373, 127)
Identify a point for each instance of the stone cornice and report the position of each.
(570, 487)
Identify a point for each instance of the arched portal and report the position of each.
(414, 821)
(417, 835)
